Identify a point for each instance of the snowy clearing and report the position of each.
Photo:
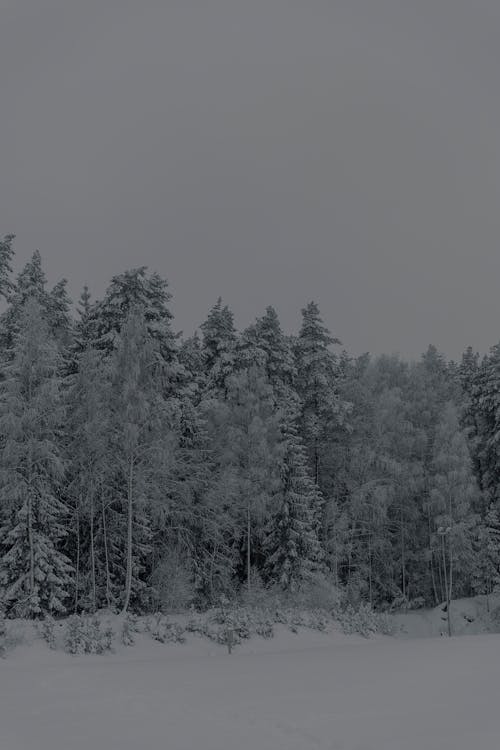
(296, 692)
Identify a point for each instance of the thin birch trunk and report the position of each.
(106, 555)
(130, 508)
(77, 566)
(92, 553)
(249, 585)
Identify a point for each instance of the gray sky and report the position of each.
(268, 151)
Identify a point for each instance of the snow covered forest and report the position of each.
(140, 470)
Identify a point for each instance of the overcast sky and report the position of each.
(269, 151)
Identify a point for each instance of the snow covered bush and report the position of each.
(86, 635)
(47, 631)
(11, 635)
(129, 628)
(265, 628)
(164, 631)
(74, 640)
(364, 621)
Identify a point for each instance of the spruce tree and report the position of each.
(486, 545)
(219, 348)
(266, 345)
(59, 313)
(31, 283)
(291, 545)
(35, 577)
(135, 289)
(317, 382)
(6, 256)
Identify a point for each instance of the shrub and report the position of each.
(11, 635)
(166, 632)
(364, 621)
(47, 631)
(85, 636)
(129, 629)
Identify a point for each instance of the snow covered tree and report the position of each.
(291, 545)
(219, 347)
(452, 491)
(486, 546)
(468, 372)
(138, 417)
(35, 577)
(31, 283)
(243, 430)
(485, 412)
(192, 360)
(265, 344)
(135, 289)
(322, 409)
(6, 256)
(88, 478)
(83, 337)
(59, 313)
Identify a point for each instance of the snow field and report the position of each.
(296, 692)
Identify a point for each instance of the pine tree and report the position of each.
(485, 412)
(192, 360)
(31, 283)
(486, 545)
(291, 545)
(6, 256)
(322, 409)
(219, 347)
(34, 575)
(135, 290)
(59, 313)
(264, 344)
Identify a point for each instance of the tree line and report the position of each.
(141, 470)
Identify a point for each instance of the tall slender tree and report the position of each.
(35, 576)
(291, 544)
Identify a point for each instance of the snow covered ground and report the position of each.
(296, 692)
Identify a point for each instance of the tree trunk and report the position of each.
(433, 579)
(77, 566)
(130, 509)
(403, 553)
(106, 556)
(31, 546)
(450, 585)
(29, 509)
(316, 462)
(249, 584)
(445, 572)
(92, 553)
(431, 561)
(370, 569)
